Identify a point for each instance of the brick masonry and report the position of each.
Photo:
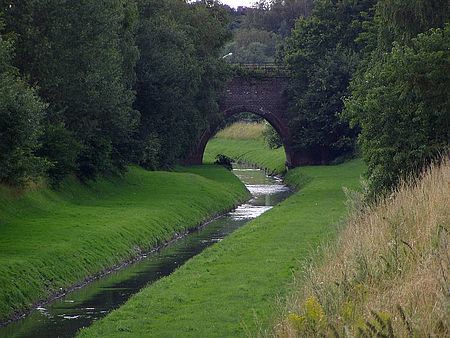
(263, 96)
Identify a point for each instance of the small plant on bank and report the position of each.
(225, 161)
(271, 137)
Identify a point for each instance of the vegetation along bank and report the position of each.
(53, 239)
(245, 142)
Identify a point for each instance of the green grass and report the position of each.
(51, 240)
(231, 289)
(249, 151)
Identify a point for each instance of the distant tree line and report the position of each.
(259, 30)
(89, 87)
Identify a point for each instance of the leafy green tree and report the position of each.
(271, 137)
(322, 55)
(277, 16)
(402, 105)
(60, 148)
(402, 20)
(252, 46)
(21, 114)
(81, 54)
(179, 76)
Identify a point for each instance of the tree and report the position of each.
(179, 76)
(277, 16)
(21, 114)
(402, 106)
(252, 46)
(81, 54)
(322, 55)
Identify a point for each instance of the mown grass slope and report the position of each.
(231, 289)
(53, 239)
(244, 142)
(248, 151)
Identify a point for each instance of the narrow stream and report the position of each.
(65, 316)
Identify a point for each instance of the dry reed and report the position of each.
(242, 131)
(387, 274)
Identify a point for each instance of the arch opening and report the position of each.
(279, 125)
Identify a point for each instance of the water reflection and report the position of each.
(65, 316)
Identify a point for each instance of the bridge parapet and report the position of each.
(259, 69)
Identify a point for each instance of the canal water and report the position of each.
(65, 316)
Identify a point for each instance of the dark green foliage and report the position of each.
(179, 77)
(82, 54)
(271, 137)
(61, 149)
(402, 105)
(224, 161)
(402, 20)
(277, 16)
(322, 55)
(21, 114)
(83, 57)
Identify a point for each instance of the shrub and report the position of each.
(21, 114)
(271, 137)
(224, 160)
(402, 106)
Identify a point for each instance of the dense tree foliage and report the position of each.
(257, 31)
(277, 16)
(101, 115)
(400, 95)
(179, 76)
(81, 56)
(21, 114)
(322, 55)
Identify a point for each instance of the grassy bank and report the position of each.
(249, 151)
(242, 131)
(387, 275)
(244, 142)
(51, 240)
(230, 290)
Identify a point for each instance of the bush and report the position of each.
(21, 113)
(402, 106)
(225, 161)
(271, 137)
(61, 149)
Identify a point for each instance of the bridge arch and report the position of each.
(279, 125)
(264, 96)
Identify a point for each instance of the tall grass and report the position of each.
(242, 131)
(388, 273)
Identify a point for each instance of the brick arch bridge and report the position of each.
(263, 95)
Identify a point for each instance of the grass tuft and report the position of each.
(242, 131)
